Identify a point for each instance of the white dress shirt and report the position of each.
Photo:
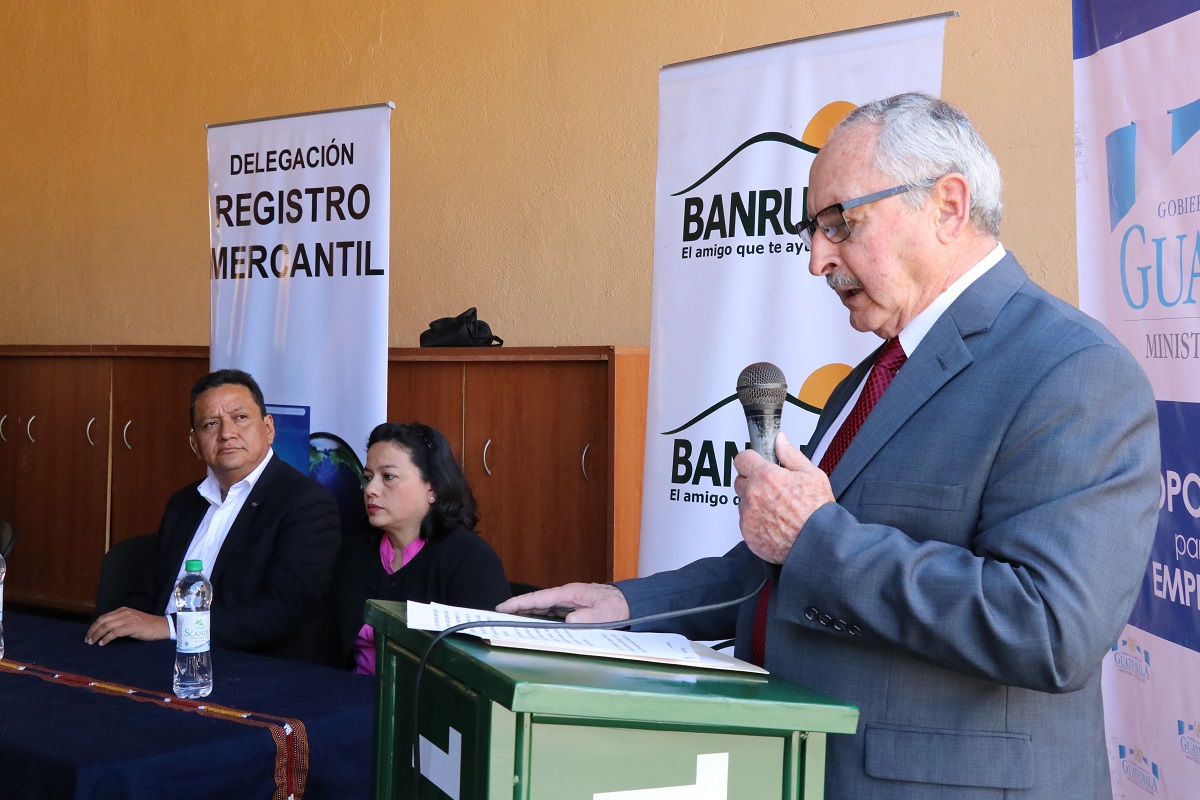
(210, 535)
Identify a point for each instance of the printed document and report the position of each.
(664, 648)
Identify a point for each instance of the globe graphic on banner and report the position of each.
(335, 465)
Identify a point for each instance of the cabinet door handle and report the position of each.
(124, 435)
(583, 461)
(88, 431)
(29, 430)
(486, 445)
(3, 438)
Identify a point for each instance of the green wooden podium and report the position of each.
(504, 724)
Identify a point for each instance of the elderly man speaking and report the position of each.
(962, 539)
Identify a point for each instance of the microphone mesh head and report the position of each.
(762, 384)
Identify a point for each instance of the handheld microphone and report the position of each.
(762, 390)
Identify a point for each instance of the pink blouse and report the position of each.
(364, 643)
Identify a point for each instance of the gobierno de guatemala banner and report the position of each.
(299, 215)
(1137, 163)
(737, 134)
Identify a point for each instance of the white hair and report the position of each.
(921, 139)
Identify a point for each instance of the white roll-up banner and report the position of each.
(737, 134)
(1137, 177)
(299, 214)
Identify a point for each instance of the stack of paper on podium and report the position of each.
(662, 648)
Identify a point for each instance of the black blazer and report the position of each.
(459, 569)
(272, 570)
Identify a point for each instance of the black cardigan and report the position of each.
(459, 569)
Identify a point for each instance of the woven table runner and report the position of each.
(291, 741)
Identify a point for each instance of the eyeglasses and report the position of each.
(832, 222)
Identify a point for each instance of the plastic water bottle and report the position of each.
(193, 635)
(2, 570)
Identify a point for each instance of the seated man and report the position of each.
(266, 534)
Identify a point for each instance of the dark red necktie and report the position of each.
(891, 357)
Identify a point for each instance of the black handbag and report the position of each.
(461, 331)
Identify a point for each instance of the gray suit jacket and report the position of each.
(993, 521)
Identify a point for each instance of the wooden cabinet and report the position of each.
(61, 445)
(430, 392)
(533, 430)
(93, 441)
(151, 457)
(56, 461)
(10, 380)
(551, 440)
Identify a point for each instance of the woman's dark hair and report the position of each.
(454, 505)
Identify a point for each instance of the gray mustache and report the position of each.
(840, 280)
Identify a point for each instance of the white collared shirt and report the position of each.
(210, 535)
(912, 334)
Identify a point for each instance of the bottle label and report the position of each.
(192, 632)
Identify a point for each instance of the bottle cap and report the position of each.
(193, 565)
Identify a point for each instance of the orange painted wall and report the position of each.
(523, 145)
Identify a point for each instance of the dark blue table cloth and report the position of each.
(69, 727)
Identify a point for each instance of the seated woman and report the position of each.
(421, 544)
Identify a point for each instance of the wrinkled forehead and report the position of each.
(844, 168)
(224, 399)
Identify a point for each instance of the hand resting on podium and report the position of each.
(574, 602)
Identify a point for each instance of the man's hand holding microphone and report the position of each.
(778, 486)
